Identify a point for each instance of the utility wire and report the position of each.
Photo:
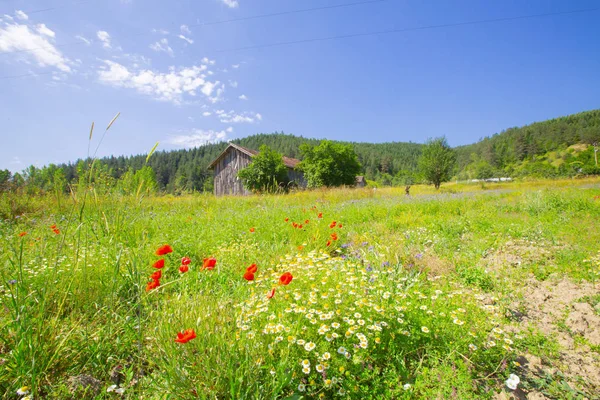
(400, 30)
(304, 10)
(57, 7)
(382, 32)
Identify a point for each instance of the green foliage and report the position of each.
(266, 172)
(329, 164)
(437, 161)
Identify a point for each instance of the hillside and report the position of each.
(516, 148)
(187, 169)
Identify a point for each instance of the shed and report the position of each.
(361, 181)
(235, 158)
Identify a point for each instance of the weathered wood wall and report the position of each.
(296, 176)
(225, 173)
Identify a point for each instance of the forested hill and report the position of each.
(529, 142)
(188, 169)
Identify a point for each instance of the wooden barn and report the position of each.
(235, 158)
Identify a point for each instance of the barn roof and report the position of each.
(289, 162)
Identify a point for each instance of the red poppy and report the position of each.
(300, 226)
(56, 231)
(334, 236)
(307, 221)
(186, 261)
(271, 293)
(152, 285)
(156, 276)
(249, 276)
(340, 226)
(164, 249)
(300, 248)
(53, 226)
(333, 224)
(184, 268)
(209, 263)
(320, 215)
(185, 336)
(22, 234)
(286, 278)
(295, 225)
(328, 243)
(252, 269)
(159, 264)
(286, 220)
(252, 230)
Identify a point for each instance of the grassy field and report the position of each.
(437, 295)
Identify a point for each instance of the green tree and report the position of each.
(329, 164)
(437, 161)
(266, 171)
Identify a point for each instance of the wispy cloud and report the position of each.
(230, 3)
(160, 31)
(231, 117)
(171, 86)
(104, 38)
(21, 37)
(190, 41)
(185, 29)
(243, 97)
(233, 84)
(21, 15)
(206, 114)
(162, 45)
(15, 160)
(84, 40)
(199, 137)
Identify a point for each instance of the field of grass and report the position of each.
(428, 296)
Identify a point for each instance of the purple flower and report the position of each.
(419, 256)
(364, 243)
(369, 268)
(345, 245)
(12, 281)
(385, 264)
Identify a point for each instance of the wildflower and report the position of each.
(340, 226)
(164, 249)
(307, 221)
(12, 281)
(301, 387)
(491, 343)
(305, 363)
(326, 356)
(56, 231)
(328, 243)
(120, 390)
(341, 350)
(334, 236)
(300, 226)
(156, 276)
(320, 215)
(159, 264)
(271, 293)
(184, 268)
(425, 329)
(23, 391)
(306, 370)
(310, 346)
(472, 347)
(111, 388)
(512, 382)
(406, 386)
(152, 285)
(249, 276)
(185, 336)
(286, 220)
(320, 368)
(53, 226)
(209, 263)
(251, 230)
(333, 224)
(252, 269)
(186, 261)
(22, 234)
(286, 278)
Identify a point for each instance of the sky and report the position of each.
(189, 72)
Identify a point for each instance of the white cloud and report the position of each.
(243, 97)
(43, 30)
(185, 29)
(15, 160)
(235, 66)
(162, 45)
(170, 86)
(198, 137)
(233, 84)
(231, 117)
(160, 31)
(206, 114)
(84, 40)
(205, 60)
(104, 38)
(191, 119)
(21, 15)
(230, 3)
(230, 129)
(15, 37)
(190, 41)
(8, 17)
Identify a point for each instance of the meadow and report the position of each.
(342, 293)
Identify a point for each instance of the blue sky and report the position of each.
(183, 84)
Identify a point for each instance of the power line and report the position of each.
(26, 75)
(383, 32)
(400, 30)
(304, 10)
(57, 7)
